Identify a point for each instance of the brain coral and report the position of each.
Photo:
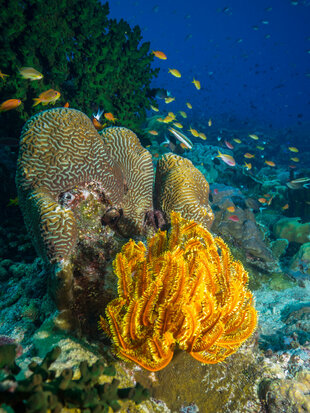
(136, 165)
(60, 150)
(181, 187)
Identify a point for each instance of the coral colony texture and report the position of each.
(183, 288)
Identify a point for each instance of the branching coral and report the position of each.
(183, 289)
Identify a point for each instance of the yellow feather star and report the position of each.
(183, 289)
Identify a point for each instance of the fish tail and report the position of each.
(37, 101)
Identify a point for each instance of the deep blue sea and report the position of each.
(251, 57)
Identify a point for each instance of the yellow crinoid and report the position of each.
(183, 289)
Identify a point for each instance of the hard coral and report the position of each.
(183, 289)
(181, 187)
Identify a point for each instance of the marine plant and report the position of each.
(93, 61)
(184, 289)
(43, 392)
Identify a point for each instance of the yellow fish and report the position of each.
(171, 114)
(247, 165)
(228, 159)
(231, 209)
(30, 73)
(189, 105)
(168, 119)
(202, 136)
(194, 132)
(197, 84)
(153, 132)
(255, 137)
(261, 148)
(154, 108)
(49, 96)
(293, 149)
(270, 163)
(169, 100)
(174, 72)
(295, 159)
(183, 114)
(249, 155)
(237, 140)
(159, 119)
(209, 122)
(178, 125)
(159, 54)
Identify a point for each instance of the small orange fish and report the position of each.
(2, 75)
(109, 116)
(231, 209)
(159, 54)
(66, 105)
(249, 155)
(49, 96)
(228, 159)
(229, 145)
(174, 72)
(153, 132)
(270, 163)
(9, 104)
(168, 119)
(286, 206)
(97, 124)
(234, 218)
(197, 84)
(262, 200)
(189, 105)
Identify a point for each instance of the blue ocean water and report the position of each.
(251, 57)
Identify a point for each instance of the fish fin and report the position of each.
(37, 101)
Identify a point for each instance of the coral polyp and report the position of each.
(184, 289)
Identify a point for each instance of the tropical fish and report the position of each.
(210, 122)
(270, 163)
(247, 165)
(234, 218)
(49, 96)
(109, 116)
(168, 119)
(194, 132)
(237, 140)
(97, 124)
(262, 200)
(293, 149)
(169, 100)
(162, 93)
(154, 108)
(249, 155)
(286, 206)
(178, 125)
(2, 75)
(174, 72)
(181, 137)
(228, 159)
(231, 208)
(172, 115)
(9, 104)
(228, 144)
(30, 73)
(153, 132)
(253, 136)
(66, 105)
(183, 114)
(299, 183)
(197, 84)
(202, 136)
(295, 159)
(159, 54)
(261, 148)
(189, 105)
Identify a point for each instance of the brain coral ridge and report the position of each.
(60, 150)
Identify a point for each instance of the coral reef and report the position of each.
(292, 230)
(43, 391)
(190, 194)
(93, 61)
(301, 260)
(183, 289)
